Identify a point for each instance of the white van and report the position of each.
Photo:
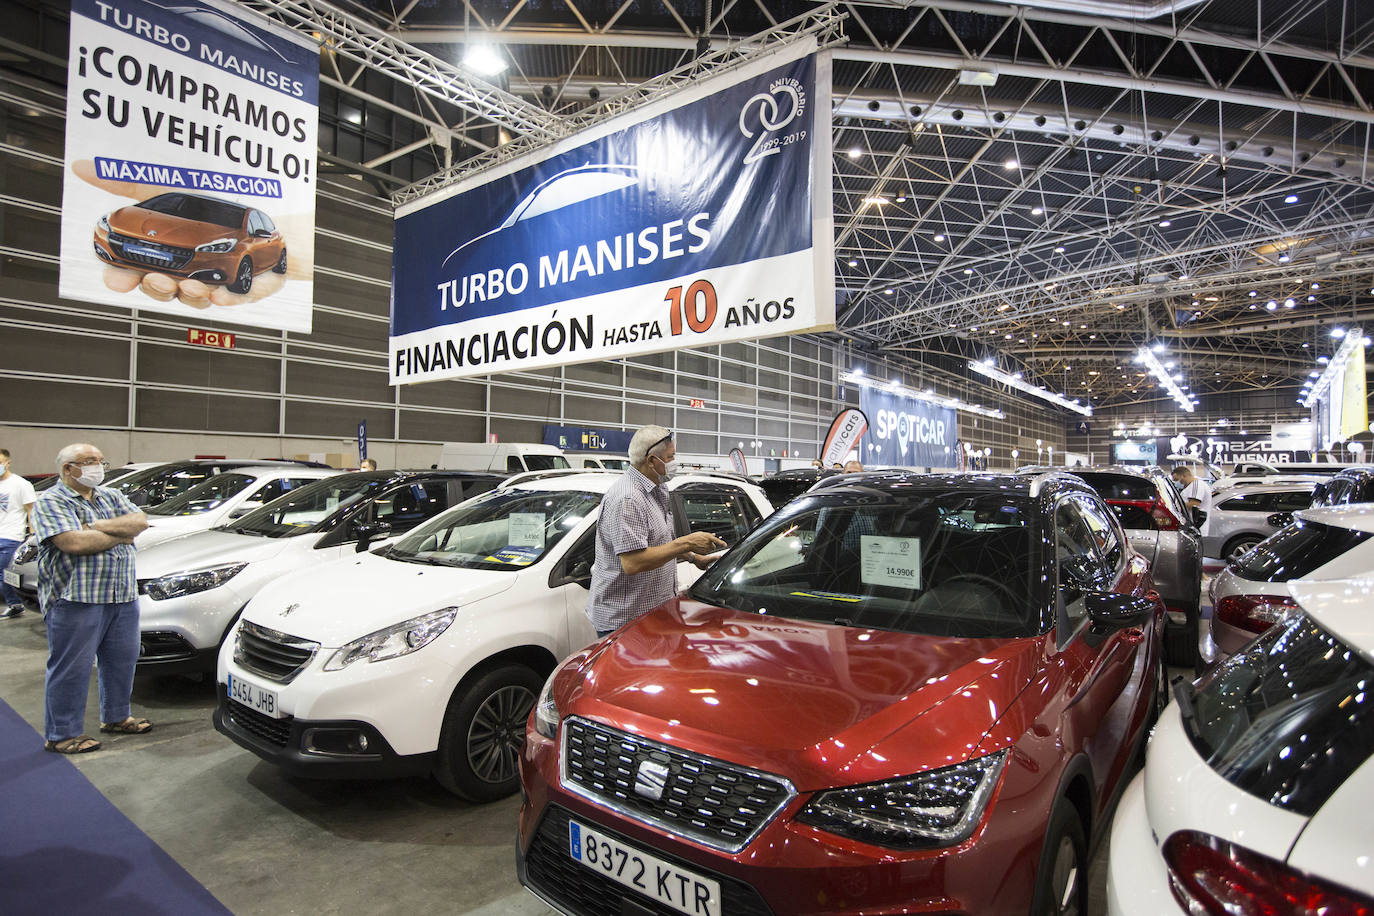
(599, 461)
(499, 457)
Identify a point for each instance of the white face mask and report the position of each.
(669, 468)
(93, 475)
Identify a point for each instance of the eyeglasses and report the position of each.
(90, 462)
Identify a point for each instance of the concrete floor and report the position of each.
(266, 844)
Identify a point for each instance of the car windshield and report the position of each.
(1296, 551)
(204, 497)
(502, 529)
(546, 462)
(937, 563)
(200, 209)
(1288, 718)
(306, 508)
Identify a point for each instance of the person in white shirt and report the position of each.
(16, 509)
(1196, 493)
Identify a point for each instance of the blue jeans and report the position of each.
(78, 634)
(7, 591)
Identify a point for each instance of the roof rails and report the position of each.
(529, 476)
(1041, 478)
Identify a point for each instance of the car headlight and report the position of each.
(218, 245)
(103, 223)
(937, 808)
(189, 583)
(393, 642)
(546, 714)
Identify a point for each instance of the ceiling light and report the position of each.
(1011, 164)
(1291, 199)
(1059, 249)
(887, 292)
(902, 199)
(484, 60)
(968, 271)
(1253, 293)
(1168, 382)
(853, 263)
(989, 368)
(1338, 333)
(977, 77)
(1183, 276)
(929, 396)
(855, 152)
(1316, 286)
(876, 200)
(1284, 259)
(1288, 303)
(1271, 305)
(939, 237)
(1164, 224)
(1037, 211)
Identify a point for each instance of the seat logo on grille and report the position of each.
(289, 609)
(650, 779)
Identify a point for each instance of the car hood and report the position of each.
(208, 548)
(167, 229)
(338, 602)
(823, 704)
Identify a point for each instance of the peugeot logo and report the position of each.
(650, 780)
(289, 609)
(152, 232)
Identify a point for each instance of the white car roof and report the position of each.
(1359, 516)
(280, 470)
(1266, 485)
(1341, 606)
(598, 481)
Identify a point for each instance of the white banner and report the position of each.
(189, 186)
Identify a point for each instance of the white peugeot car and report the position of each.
(192, 588)
(427, 655)
(1257, 782)
(222, 498)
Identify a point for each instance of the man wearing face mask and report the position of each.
(89, 592)
(636, 553)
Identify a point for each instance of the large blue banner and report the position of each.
(906, 432)
(702, 219)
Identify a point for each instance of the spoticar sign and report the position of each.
(701, 219)
(909, 433)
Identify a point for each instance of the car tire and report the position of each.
(1061, 881)
(280, 267)
(243, 279)
(484, 731)
(1239, 545)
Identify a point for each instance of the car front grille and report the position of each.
(581, 891)
(275, 656)
(275, 732)
(153, 254)
(718, 804)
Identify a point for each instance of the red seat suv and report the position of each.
(899, 694)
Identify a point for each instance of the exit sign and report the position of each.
(697, 402)
(218, 339)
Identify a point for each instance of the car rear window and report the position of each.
(1296, 551)
(1120, 486)
(1287, 719)
(939, 564)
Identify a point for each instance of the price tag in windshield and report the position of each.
(526, 529)
(890, 561)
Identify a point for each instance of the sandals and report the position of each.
(129, 726)
(81, 744)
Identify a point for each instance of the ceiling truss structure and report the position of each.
(1113, 182)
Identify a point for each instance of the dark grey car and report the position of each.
(1159, 526)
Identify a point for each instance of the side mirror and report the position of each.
(1319, 494)
(262, 233)
(581, 573)
(367, 532)
(1280, 519)
(241, 511)
(1112, 611)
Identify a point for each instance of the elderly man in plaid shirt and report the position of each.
(636, 553)
(90, 598)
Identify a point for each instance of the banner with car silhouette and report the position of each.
(189, 182)
(701, 219)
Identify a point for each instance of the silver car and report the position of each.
(1242, 516)
(1159, 526)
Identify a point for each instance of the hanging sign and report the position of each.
(189, 180)
(908, 432)
(700, 219)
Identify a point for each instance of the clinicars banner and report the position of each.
(189, 184)
(702, 218)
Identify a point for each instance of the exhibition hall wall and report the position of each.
(131, 381)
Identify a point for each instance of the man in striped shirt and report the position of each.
(89, 594)
(636, 553)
